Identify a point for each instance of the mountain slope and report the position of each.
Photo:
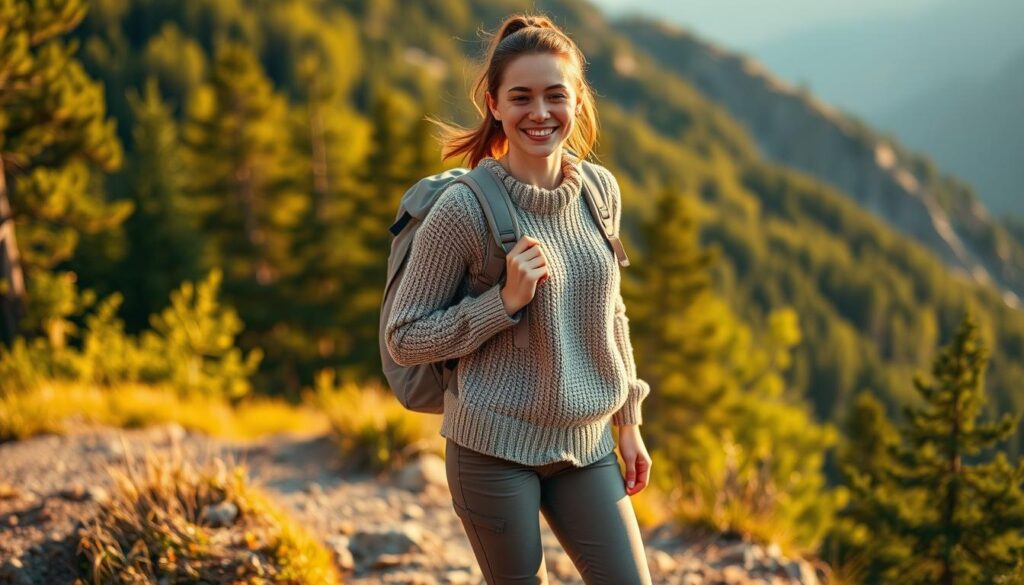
(973, 126)
(797, 130)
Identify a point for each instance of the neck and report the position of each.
(544, 172)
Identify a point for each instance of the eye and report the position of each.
(519, 98)
(559, 96)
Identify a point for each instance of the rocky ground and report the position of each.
(400, 528)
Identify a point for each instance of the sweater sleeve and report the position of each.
(630, 413)
(425, 324)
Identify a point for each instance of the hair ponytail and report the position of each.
(519, 34)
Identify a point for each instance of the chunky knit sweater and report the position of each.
(554, 400)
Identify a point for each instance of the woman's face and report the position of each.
(537, 104)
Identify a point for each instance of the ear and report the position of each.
(491, 104)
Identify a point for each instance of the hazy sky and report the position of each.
(743, 24)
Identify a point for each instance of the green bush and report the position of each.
(190, 348)
(371, 428)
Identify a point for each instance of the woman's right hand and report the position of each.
(525, 268)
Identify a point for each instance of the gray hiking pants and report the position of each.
(586, 507)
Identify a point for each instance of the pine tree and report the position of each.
(671, 311)
(154, 181)
(735, 451)
(245, 188)
(867, 451)
(956, 517)
(387, 173)
(55, 137)
(333, 140)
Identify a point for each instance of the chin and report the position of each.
(541, 150)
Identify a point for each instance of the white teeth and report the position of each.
(538, 133)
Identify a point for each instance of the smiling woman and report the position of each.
(530, 427)
(538, 113)
(542, 69)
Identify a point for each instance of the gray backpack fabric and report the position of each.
(420, 388)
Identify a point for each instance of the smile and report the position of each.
(539, 133)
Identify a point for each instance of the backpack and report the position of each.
(421, 387)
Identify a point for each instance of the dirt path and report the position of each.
(381, 529)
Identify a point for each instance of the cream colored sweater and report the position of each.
(552, 401)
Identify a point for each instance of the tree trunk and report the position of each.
(13, 300)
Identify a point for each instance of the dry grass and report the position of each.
(53, 406)
(372, 429)
(158, 527)
(850, 572)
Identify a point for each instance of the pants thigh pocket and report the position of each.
(494, 523)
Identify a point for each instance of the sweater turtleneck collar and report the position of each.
(538, 199)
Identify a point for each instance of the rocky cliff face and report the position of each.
(792, 128)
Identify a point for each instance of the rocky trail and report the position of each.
(398, 528)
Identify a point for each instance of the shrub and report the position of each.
(371, 428)
(173, 522)
(191, 348)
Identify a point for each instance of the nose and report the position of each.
(539, 112)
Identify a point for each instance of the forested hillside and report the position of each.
(268, 142)
(906, 190)
(334, 96)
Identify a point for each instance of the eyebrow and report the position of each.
(526, 89)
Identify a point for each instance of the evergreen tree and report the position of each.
(948, 517)
(867, 450)
(742, 455)
(386, 174)
(54, 137)
(154, 179)
(245, 188)
(671, 311)
(333, 141)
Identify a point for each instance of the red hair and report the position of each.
(519, 34)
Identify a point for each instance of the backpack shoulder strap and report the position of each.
(497, 206)
(505, 232)
(597, 202)
(501, 222)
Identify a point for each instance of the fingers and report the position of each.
(528, 256)
(531, 253)
(527, 267)
(638, 471)
(523, 244)
(631, 472)
(643, 473)
(527, 264)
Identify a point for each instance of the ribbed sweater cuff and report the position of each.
(488, 315)
(630, 413)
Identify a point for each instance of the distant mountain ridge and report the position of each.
(868, 65)
(943, 76)
(794, 128)
(973, 126)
